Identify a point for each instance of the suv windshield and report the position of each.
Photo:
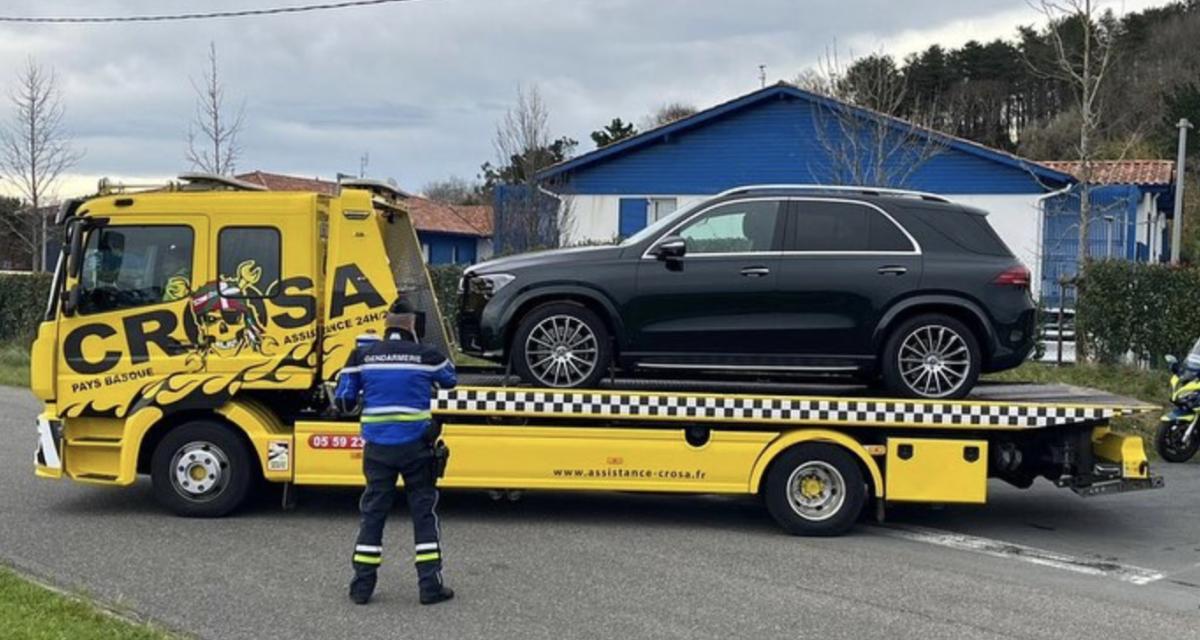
(1193, 359)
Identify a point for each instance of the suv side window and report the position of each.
(248, 261)
(844, 227)
(132, 266)
(737, 227)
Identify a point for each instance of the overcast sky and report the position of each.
(420, 85)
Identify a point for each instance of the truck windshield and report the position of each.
(131, 266)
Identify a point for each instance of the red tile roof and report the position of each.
(427, 215)
(1154, 172)
(280, 182)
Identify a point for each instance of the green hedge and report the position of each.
(1145, 309)
(445, 279)
(22, 303)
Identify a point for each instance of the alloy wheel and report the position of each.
(561, 351)
(934, 361)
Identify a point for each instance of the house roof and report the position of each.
(1143, 172)
(783, 89)
(427, 215)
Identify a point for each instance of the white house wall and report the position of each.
(1017, 218)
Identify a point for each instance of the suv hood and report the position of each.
(553, 256)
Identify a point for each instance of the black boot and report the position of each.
(361, 588)
(442, 594)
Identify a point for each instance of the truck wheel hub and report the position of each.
(816, 490)
(201, 470)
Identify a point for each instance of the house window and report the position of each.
(662, 207)
(248, 262)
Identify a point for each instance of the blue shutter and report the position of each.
(632, 216)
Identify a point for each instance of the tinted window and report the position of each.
(739, 227)
(950, 231)
(248, 259)
(127, 266)
(842, 227)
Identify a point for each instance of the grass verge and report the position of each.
(1148, 386)
(14, 364)
(31, 612)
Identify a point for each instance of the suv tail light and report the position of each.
(1016, 276)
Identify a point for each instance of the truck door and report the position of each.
(257, 311)
(129, 328)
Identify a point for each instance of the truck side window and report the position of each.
(248, 262)
(132, 266)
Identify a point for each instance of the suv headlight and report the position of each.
(487, 284)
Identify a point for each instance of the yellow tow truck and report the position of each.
(194, 331)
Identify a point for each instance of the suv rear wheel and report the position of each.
(931, 356)
(561, 344)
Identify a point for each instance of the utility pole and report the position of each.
(762, 75)
(1180, 160)
(363, 161)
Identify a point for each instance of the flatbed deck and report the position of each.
(990, 406)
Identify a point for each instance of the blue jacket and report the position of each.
(397, 379)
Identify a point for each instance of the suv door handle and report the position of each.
(892, 270)
(755, 272)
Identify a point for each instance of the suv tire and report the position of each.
(563, 345)
(932, 356)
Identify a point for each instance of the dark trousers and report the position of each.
(382, 464)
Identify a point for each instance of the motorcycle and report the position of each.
(1178, 435)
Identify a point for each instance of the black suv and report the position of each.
(900, 287)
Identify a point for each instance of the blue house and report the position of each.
(783, 134)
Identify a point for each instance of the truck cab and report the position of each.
(172, 300)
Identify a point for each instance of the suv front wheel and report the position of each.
(561, 344)
(931, 356)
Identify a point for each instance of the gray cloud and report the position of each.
(420, 85)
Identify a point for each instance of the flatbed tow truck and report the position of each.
(195, 329)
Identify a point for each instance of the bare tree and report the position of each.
(668, 113)
(524, 147)
(864, 140)
(35, 151)
(1082, 66)
(213, 135)
(454, 190)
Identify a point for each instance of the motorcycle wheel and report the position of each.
(1168, 440)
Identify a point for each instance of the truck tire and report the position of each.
(815, 489)
(561, 344)
(931, 356)
(201, 469)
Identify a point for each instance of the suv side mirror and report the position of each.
(1172, 363)
(670, 248)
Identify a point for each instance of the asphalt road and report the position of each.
(616, 565)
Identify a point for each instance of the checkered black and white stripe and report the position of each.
(632, 405)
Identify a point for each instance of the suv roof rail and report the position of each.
(869, 191)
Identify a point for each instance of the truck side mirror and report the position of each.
(670, 248)
(1172, 363)
(75, 250)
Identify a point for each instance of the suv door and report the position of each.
(843, 264)
(716, 299)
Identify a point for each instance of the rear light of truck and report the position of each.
(1017, 276)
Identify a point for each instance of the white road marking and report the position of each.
(1033, 555)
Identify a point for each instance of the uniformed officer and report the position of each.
(396, 377)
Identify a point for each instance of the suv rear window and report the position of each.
(945, 230)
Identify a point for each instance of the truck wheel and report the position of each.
(561, 344)
(815, 489)
(201, 469)
(931, 356)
